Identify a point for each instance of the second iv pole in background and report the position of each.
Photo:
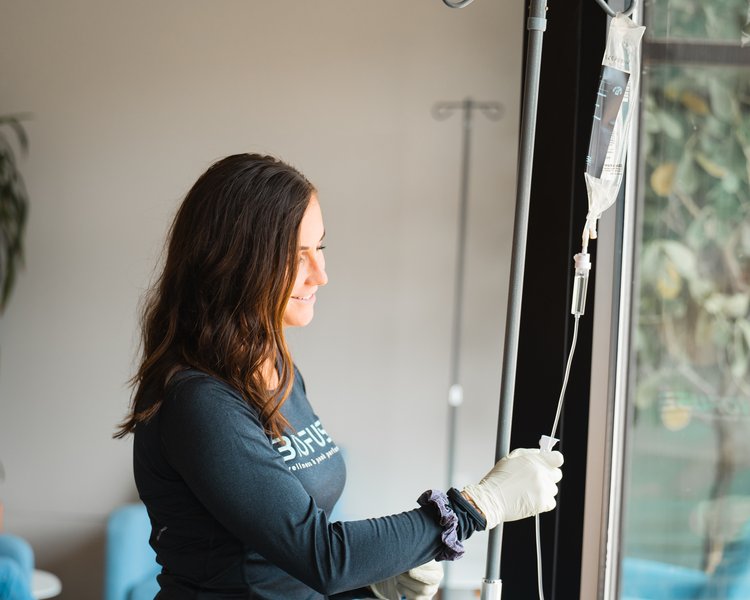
(442, 111)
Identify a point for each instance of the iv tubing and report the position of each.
(567, 375)
(537, 527)
(552, 435)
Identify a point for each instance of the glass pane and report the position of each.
(686, 527)
(706, 20)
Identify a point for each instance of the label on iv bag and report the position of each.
(613, 84)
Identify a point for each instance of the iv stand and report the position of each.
(536, 23)
(442, 111)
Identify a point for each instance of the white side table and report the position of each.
(45, 584)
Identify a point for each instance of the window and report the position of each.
(686, 504)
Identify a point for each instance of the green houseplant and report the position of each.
(14, 208)
(14, 204)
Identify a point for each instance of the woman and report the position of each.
(236, 470)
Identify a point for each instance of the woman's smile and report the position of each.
(310, 298)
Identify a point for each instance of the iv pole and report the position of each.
(442, 111)
(536, 24)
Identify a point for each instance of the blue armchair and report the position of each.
(652, 580)
(16, 567)
(645, 579)
(130, 563)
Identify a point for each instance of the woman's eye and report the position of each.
(303, 254)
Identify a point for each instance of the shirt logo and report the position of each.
(306, 446)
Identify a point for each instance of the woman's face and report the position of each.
(311, 271)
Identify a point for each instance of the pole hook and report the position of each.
(627, 12)
(457, 3)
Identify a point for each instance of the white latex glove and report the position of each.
(518, 486)
(420, 583)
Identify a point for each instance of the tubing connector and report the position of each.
(580, 283)
(547, 442)
(492, 589)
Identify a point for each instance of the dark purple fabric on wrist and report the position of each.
(453, 549)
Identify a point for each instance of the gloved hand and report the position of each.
(420, 583)
(518, 486)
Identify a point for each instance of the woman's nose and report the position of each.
(317, 275)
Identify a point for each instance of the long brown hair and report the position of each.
(228, 275)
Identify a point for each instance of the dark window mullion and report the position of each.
(695, 53)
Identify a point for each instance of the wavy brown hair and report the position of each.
(219, 302)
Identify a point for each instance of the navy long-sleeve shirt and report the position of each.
(236, 514)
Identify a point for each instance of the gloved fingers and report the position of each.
(553, 458)
(430, 573)
(413, 591)
(523, 452)
(547, 464)
(556, 475)
(382, 596)
(546, 479)
(547, 506)
(545, 470)
(421, 583)
(386, 590)
(426, 594)
(549, 502)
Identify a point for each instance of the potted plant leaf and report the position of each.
(14, 208)
(14, 204)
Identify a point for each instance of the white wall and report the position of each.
(131, 102)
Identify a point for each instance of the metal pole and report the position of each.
(536, 24)
(441, 111)
(455, 394)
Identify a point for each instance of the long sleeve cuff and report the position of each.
(469, 518)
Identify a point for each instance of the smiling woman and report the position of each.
(343, 91)
(237, 472)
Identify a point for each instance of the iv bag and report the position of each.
(615, 100)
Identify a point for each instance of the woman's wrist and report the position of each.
(470, 517)
(470, 500)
